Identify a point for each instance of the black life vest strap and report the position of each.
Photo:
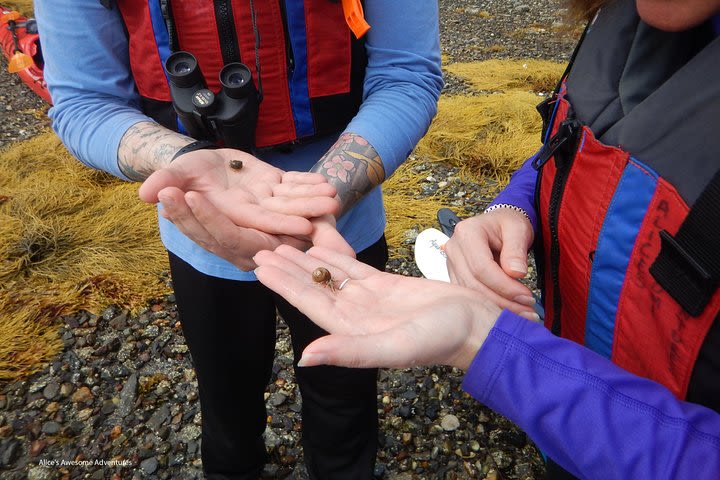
(688, 265)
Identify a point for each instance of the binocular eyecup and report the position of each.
(228, 117)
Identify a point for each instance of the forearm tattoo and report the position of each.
(147, 147)
(353, 166)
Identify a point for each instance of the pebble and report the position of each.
(82, 395)
(149, 465)
(450, 423)
(41, 473)
(51, 428)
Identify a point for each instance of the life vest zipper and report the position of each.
(289, 54)
(226, 31)
(563, 147)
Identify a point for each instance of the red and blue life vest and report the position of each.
(629, 201)
(312, 67)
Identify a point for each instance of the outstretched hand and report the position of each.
(233, 213)
(378, 319)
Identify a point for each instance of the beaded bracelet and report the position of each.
(507, 205)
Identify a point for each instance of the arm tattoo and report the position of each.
(147, 147)
(353, 167)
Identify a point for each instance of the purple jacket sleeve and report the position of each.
(590, 416)
(521, 191)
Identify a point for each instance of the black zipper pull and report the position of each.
(568, 130)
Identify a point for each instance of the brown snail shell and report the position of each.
(236, 164)
(321, 275)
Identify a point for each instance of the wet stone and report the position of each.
(149, 465)
(51, 390)
(51, 428)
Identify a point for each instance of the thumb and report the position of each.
(354, 351)
(157, 181)
(516, 240)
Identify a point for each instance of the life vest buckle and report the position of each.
(687, 281)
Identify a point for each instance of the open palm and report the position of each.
(378, 319)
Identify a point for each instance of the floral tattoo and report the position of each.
(353, 166)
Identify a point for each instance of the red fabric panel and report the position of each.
(275, 121)
(147, 69)
(547, 180)
(591, 183)
(654, 336)
(328, 45)
(197, 33)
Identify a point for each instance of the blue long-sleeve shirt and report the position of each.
(95, 102)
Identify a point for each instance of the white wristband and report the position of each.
(498, 206)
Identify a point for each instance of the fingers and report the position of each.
(307, 178)
(355, 351)
(308, 207)
(298, 190)
(229, 241)
(295, 285)
(308, 263)
(249, 215)
(179, 213)
(471, 258)
(326, 235)
(346, 263)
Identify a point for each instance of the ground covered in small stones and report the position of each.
(121, 399)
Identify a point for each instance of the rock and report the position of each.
(84, 414)
(450, 423)
(3, 401)
(37, 386)
(37, 447)
(119, 322)
(277, 399)
(474, 446)
(66, 389)
(149, 465)
(51, 428)
(6, 431)
(41, 473)
(189, 433)
(159, 417)
(51, 390)
(82, 395)
(9, 452)
(128, 396)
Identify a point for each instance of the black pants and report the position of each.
(229, 327)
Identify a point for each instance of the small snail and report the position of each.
(322, 275)
(236, 164)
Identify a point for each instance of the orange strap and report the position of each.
(355, 17)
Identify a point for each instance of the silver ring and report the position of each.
(343, 283)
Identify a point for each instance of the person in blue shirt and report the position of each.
(214, 219)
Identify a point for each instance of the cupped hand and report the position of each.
(244, 196)
(488, 253)
(378, 319)
(233, 213)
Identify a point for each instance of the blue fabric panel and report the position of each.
(615, 244)
(162, 39)
(298, 80)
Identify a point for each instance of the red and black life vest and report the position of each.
(312, 68)
(629, 201)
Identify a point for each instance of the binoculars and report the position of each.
(229, 117)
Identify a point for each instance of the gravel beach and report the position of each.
(121, 401)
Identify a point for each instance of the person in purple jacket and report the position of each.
(623, 215)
